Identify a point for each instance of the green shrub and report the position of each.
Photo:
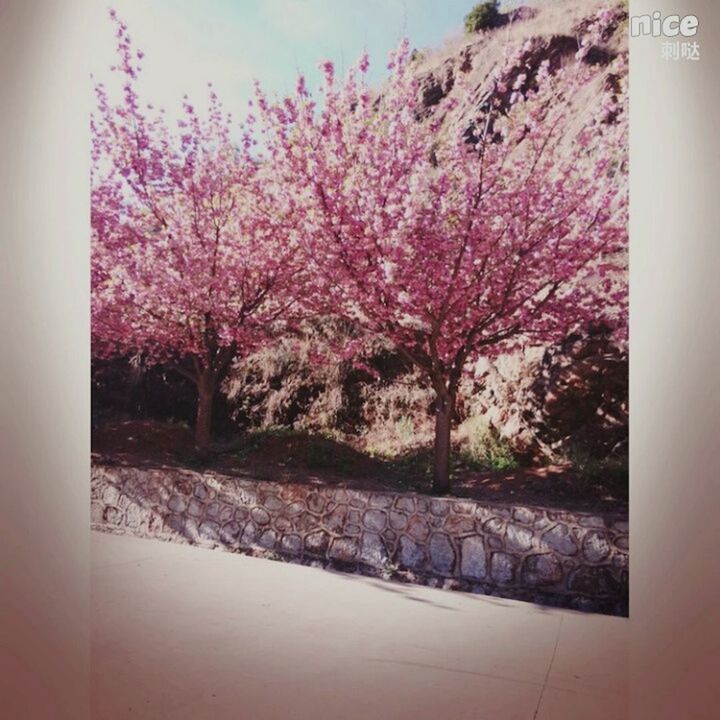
(608, 475)
(485, 449)
(482, 16)
(405, 430)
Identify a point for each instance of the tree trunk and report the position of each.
(203, 421)
(443, 424)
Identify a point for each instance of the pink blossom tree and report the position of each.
(191, 266)
(452, 244)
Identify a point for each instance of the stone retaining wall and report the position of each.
(559, 558)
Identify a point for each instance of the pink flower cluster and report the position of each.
(188, 255)
(354, 209)
(449, 249)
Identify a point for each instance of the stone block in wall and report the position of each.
(473, 562)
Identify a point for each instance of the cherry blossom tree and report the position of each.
(453, 242)
(191, 265)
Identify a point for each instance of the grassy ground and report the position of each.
(289, 456)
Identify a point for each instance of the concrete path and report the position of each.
(180, 632)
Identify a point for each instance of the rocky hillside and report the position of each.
(546, 31)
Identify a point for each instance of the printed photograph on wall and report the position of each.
(359, 288)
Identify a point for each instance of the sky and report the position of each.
(233, 42)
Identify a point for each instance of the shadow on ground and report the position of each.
(304, 458)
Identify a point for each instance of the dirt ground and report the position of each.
(286, 456)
